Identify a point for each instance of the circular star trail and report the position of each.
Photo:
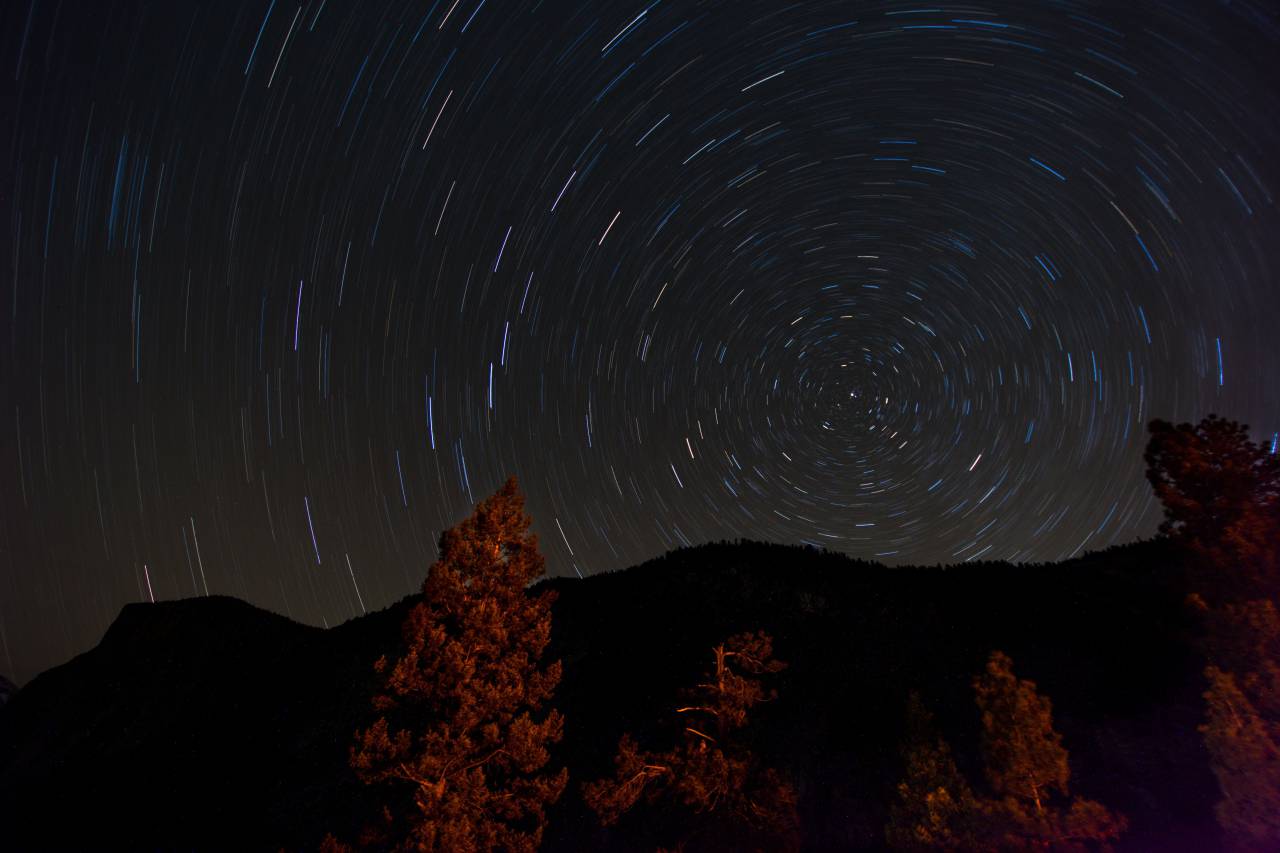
(289, 286)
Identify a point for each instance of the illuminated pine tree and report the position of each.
(1221, 498)
(460, 748)
(711, 772)
(1027, 770)
(1245, 755)
(1242, 726)
(1221, 495)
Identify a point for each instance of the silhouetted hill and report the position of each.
(207, 723)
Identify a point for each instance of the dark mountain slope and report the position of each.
(207, 723)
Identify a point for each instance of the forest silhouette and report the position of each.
(733, 696)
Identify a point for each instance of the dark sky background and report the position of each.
(287, 287)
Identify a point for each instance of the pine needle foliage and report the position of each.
(711, 775)
(1028, 773)
(1027, 806)
(461, 743)
(1221, 496)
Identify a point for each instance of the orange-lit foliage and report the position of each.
(1221, 497)
(1245, 747)
(458, 747)
(711, 771)
(1030, 807)
(1221, 494)
(1242, 726)
(1026, 767)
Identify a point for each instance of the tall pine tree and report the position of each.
(461, 745)
(1221, 496)
(1027, 770)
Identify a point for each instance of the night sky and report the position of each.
(287, 288)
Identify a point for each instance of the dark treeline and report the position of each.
(735, 696)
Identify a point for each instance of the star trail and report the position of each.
(289, 286)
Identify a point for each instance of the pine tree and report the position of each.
(711, 771)
(934, 807)
(1027, 769)
(1242, 726)
(1221, 494)
(1221, 497)
(1245, 751)
(461, 746)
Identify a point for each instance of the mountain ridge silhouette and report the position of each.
(210, 723)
